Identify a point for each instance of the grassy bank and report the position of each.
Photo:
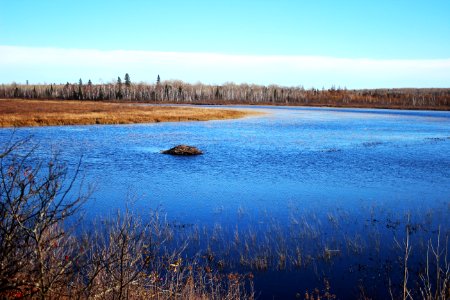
(18, 113)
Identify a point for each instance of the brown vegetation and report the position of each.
(45, 255)
(180, 92)
(16, 113)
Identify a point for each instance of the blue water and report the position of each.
(317, 160)
(288, 155)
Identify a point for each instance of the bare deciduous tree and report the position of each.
(230, 93)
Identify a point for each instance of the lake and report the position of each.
(342, 172)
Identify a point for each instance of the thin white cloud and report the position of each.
(61, 65)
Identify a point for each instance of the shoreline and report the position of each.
(318, 105)
(54, 112)
(35, 113)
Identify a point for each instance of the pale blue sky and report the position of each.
(384, 30)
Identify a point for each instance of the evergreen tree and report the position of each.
(80, 91)
(100, 94)
(119, 94)
(217, 93)
(89, 83)
(158, 80)
(127, 80)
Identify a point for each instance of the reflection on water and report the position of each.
(335, 165)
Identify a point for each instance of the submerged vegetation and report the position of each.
(16, 113)
(44, 253)
(180, 92)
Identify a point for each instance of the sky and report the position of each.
(310, 43)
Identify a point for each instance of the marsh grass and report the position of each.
(363, 255)
(378, 252)
(19, 113)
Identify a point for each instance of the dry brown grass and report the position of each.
(19, 113)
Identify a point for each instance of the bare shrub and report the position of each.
(43, 256)
(37, 251)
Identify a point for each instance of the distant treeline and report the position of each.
(180, 92)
